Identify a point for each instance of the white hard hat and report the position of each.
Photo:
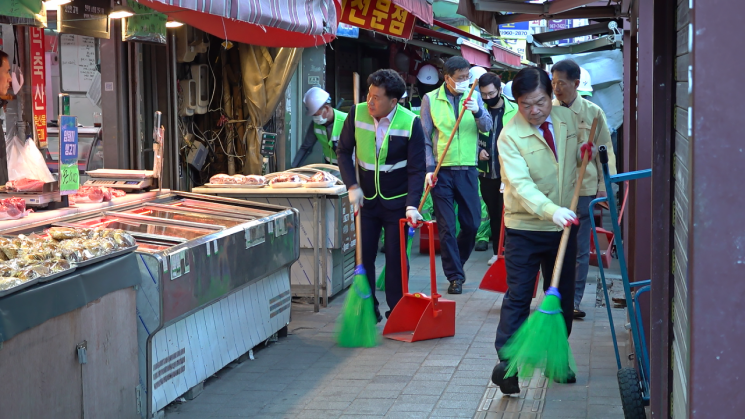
(428, 74)
(474, 73)
(585, 82)
(507, 91)
(314, 98)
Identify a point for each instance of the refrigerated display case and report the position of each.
(215, 282)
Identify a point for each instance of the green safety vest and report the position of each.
(463, 148)
(418, 108)
(386, 165)
(321, 135)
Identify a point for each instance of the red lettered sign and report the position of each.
(38, 84)
(378, 15)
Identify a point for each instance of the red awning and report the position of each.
(419, 8)
(506, 56)
(475, 55)
(269, 23)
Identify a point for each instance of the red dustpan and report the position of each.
(418, 316)
(495, 278)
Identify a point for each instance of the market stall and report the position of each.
(203, 300)
(326, 228)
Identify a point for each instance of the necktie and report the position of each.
(548, 137)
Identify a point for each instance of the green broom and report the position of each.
(542, 341)
(380, 283)
(356, 326)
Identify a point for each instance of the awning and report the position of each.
(506, 56)
(419, 8)
(475, 54)
(23, 12)
(269, 23)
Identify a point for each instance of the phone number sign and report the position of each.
(378, 15)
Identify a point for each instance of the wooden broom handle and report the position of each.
(358, 248)
(573, 206)
(447, 146)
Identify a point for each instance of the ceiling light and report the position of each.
(121, 11)
(173, 24)
(51, 4)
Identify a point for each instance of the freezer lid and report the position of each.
(193, 216)
(137, 227)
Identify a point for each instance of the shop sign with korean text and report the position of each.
(38, 84)
(146, 25)
(69, 177)
(85, 17)
(381, 16)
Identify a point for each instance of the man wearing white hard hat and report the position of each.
(427, 79)
(325, 129)
(568, 79)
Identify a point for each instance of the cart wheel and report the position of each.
(631, 394)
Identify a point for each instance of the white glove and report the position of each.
(501, 188)
(413, 216)
(471, 104)
(431, 180)
(356, 198)
(563, 217)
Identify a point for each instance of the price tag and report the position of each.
(69, 176)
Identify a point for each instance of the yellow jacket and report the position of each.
(535, 184)
(584, 112)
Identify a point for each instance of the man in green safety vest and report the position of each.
(325, 129)
(501, 110)
(389, 143)
(457, 181)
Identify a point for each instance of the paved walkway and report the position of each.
(306, 376)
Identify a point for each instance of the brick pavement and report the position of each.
(306, 376)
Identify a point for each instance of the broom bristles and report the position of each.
(356, 326)
(541, 342)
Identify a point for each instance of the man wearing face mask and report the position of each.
(389, 145)
(501, 111)
(457, 181)
(325, 129)
(5, 79)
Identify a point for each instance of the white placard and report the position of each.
(77, 56)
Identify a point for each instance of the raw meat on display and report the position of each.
(25, 185)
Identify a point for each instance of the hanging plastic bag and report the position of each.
(25, 161)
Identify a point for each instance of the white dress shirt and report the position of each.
(381, 129)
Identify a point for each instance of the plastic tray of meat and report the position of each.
(5, 281)
(113, 254)
(48, 278)
(232, 186)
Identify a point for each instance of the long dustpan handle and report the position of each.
(447, 146)
(500, 246)
(573, 206)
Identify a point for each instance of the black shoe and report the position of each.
(456, 286)
(378, 316)
(579, 314)
(508, 385)
(571, 378)
(481, 246)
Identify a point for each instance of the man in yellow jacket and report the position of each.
(539, 155)
(567, 80)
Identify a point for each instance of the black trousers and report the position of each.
(376, 217)
(494, 202)
(526, 252)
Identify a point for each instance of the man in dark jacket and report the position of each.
(389, 144)
(4, 85)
